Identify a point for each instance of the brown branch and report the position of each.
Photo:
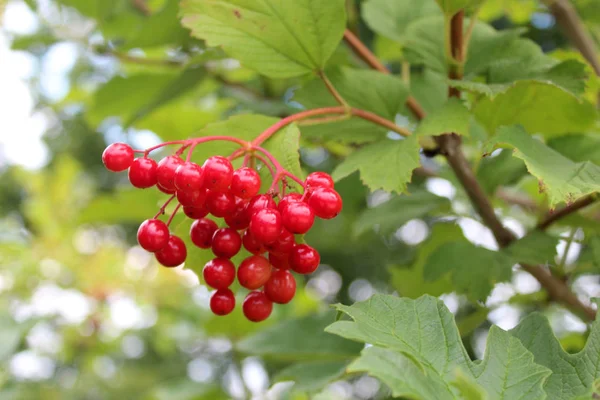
(450, 148)
(370, 59)
(552, 217)
(141, 6)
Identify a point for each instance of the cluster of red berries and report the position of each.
(254, 221)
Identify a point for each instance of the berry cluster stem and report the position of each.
(162, 209)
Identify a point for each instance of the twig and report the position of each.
(338, 97)
(141, 6)
(565, 211)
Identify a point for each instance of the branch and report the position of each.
(565, 211)
(141, 6)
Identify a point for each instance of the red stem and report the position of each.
(266, 163)
(161, 211)
(173, 215)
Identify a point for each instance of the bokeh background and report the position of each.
(87, 314)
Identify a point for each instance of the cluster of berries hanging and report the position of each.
(255, 221)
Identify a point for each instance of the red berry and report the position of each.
(283, 245)
(319, 179)
(117, 157)
(195, 212)
(222, 302)
(220, 204)
(280, 261)
(254, 272)
(239, 218)
(173, 254)
(245, 183)
(202, 232)
(219, 273)
(298, 217)
(304, 259)
(192, 198)
(287, 199)
(260, 202)
(153, 235)
(142, 173)
(165, 172)
(226, 243)
(218, 173)
(257, 307)
(266, 225)
(251, 244)
(164, 189)
(281, 287)
(188, 177)
(325, 202)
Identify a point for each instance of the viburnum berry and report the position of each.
(165, 172)
(153, 235)
(218, 173)
(325, 202)
(238, 219)
(192, 198)
(202, 232)
(260, 202)
(142, 173)
(254, 272)
(222, 302)
(287, 199)
(281, 287)
(280, 261)
(266, 225)
(226, 242)
(188, 177)
(164, 189)
(319, 179)
(257, 306)
(173, 254)
(195, 212)
(117, 157)
(298, 217)
(251, 244)
(284, 243)
(219, 273)
(245, 183)
(304, 259)
(220, 204)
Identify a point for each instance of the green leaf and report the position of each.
(387, 164)
(285, 147)
(451, 7)
(535, 248)
(502, 169)
(311, 376)
(467, 387)
(540, 107)
(278, 39)
(378, 93)
(572, 374)
(126, 205)
(473, 270)
(416, 348)
(391, 17)
(578, 147)
(394, 213)
(453, 117)
(300, 339)
(560, 178)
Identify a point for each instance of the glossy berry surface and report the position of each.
(260, 202)
(219, 273)
(226, 242)
(202, 232)
(192, 198)
(173, 254)
(142, 173)
(251, 244)
(257, 306)
(222, 302)
(319, 179)
(266, 225)
(281, 287)
(254, 272)
(117, 157)
(220, 204)
(304, 259)
(238, 219)
(284, 243)
(245, 183)
(164, 189)
(280, 261)
(298, 217)
(153, 235)
(195, 212)
(218, 173)
(189, 177)
(287, 199)
(165, 172)
(325, 202)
